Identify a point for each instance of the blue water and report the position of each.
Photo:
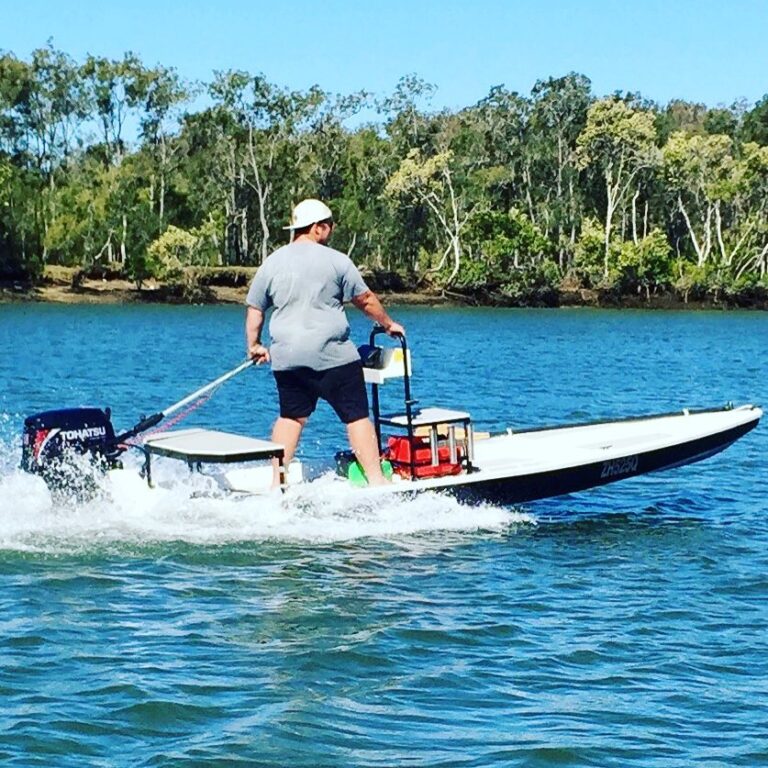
(625, 626)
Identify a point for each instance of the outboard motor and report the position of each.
(53, 439)
(70, 447)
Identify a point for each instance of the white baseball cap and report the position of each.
(309, 212)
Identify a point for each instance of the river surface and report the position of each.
(624, 626)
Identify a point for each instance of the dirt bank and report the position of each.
(58, 287)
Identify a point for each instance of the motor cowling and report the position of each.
(51, 437)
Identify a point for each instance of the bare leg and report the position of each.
(286, 432)
(362, 438)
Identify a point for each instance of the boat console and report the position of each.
(436, 441)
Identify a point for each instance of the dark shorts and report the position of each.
(343, 388)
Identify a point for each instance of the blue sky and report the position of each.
(706, 50)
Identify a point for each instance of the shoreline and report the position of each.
(123, 292)
(95, 291)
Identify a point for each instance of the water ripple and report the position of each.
(621, 627)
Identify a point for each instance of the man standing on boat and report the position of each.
(306, 284)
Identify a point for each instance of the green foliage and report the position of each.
(509, 259)
(171, 252)
(614, 134)
(141, 268)
(692, 281)
(477, 277)
(755, 126)
(101, 165)
(503, 241)
(535, 286)
(588, 262)
(699, 164)
(748, 289)
(647, 264)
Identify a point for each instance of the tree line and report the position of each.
(109, 164)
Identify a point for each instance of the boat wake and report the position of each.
(189, 508)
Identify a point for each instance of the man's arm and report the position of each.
(254, 321)
(369, 304)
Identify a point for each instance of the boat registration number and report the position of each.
(618, 467)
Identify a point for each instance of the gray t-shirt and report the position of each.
(307, 284)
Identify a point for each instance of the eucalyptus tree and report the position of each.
(15, 79)
(680, 115)
(265, 148)
(558, 116)
(430, 181)
(116, 89)
(350, 170)
(489, 171)
(698, 171)
(15, 198)
(407, 123)
(162, 93)
(326, 141)
(17, 233)
(721, 191)
(406, 113)
(755, 123)
(43, 105)
(346, 168)
(500, 122)
(210, 183)
(618, 143)
(81, 235)
(752, 170)
(723, 120)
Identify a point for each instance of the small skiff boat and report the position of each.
(425, 448)
(508, 468)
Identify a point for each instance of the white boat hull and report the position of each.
(517, 467)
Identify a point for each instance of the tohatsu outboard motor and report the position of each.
(70, 447)
(53, 441)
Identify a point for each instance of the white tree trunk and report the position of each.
(701, 255)
(610, 208)
(634, 215)
(123, 238)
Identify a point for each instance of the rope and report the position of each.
(180, 416)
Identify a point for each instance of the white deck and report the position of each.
(423, 417)
(516, 454)
(209, 445)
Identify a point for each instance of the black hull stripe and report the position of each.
(517, 490)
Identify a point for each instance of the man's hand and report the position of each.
(258, 353)
(394, 329)
(254, 320)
